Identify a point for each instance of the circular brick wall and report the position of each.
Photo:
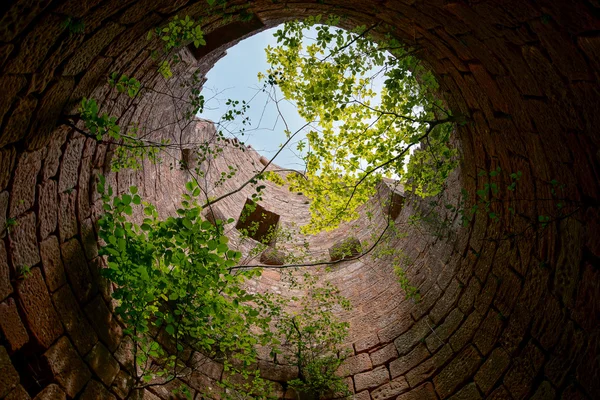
(501, 319)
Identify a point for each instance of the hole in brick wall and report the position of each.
(35, 373)
(258, 223)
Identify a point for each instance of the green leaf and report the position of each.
(170, 329)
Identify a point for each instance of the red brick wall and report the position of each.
(498, 319)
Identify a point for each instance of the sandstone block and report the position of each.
(18, 393)
(5, 285)
(51, 392)
(488, 333)
(104, 323)
(52, 263)
(274, 372)
(390, 390)
(403, 364)
(11, 325)
(83, 192)
(40, 316)
(366, 343)
(22, 195)
(77, 270)
(88, 237)
(23, 242)
(524, 368)
(272, 256)
(384, 355)
(103, 363)
(67, 219)
(48, 207)
(122, 384)
(355, 364)
(468, 392)
(423, 392)
(3, 212)
(414, 335)
(460, 368)
(69, 169)
(74, 320)
(7, 161)
(346, 248)
(69, 370)
(428, 368)
(52, 160)
(95, 390)
(9, 378)
(371, 379)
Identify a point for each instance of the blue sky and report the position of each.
(235, 77)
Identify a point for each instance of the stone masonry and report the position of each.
(497, 319)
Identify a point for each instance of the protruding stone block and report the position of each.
(346, 248)
(257, 222)
(272, 256)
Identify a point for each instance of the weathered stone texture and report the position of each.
(384, 355)
(355, 364)
(5, 285)
(103, 363)
(38, 310)
(95, 390)
(9, 378)
(11, 325)
(52, 263)
(371, 379)
(51, 392)
(77, 270)
(48, 207)
(499, 319)
(23, 242)
(75, 322)
(18, 393)
(69, 370)
(104, 323)
(491, 370)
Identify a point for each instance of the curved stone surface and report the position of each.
(500, 316)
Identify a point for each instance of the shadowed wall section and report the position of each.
(499, 319)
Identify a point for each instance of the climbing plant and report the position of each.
(173, 274)
(313, 335)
